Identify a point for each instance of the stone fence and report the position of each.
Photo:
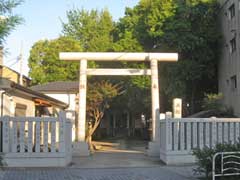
(36, 141)
(178, 137)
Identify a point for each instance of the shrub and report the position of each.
(204, 156)
(213, 101)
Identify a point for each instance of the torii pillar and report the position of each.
(81, 146)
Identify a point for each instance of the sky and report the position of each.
(42, 20)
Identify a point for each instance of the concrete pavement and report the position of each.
(146, 173)
(128, 161)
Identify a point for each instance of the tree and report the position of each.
(44, 62)
(99, 96)
(189, 27)
(145, 21)
(194, 33)
(93, 29)
(8, 20)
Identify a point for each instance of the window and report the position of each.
(233, 45)
(231, 10)
(20, 110)
(233, 82)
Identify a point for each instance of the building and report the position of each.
(13, 75)
(66, 92)
(17, 100)
(229, 64)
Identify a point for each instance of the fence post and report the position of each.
(168, 131)
(62, 131)
(6, 130)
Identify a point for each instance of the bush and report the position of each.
(213, 101)
(204, 157)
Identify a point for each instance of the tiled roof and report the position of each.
(58, 86)
(11, 86)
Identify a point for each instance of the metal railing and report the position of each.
(229, 164)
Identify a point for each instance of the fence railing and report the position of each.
(228, 164)
(181, 136)
(34, 137)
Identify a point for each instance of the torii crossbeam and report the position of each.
(83, 57)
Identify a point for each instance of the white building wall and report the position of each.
(9, 104)
(66, 98)
(30, 111)
(69, 99)
(229, 64)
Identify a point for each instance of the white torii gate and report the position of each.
(83, 57)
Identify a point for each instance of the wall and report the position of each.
(7, 73)
(9, 103)
(70, 99)
(229, 64)
(30, 111)
(67, 98)
(12, 75)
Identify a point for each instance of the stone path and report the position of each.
(153, 173)
(127, 162)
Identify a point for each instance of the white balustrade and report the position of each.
(179, 136)
(32, 137)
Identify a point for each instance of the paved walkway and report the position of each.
(127, 161)
(153, 173)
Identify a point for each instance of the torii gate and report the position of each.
(83, 57)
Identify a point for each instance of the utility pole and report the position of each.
(20, 65)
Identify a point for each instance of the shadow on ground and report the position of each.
(117, 153)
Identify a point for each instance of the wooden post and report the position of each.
(82, 101)
(155, 96)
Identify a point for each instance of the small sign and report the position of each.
(177, 108)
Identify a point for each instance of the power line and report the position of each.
(11, 66)
(9, 60)
(14, 62)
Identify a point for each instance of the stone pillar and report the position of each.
(82, 101)
(154, 145)
(155, 96)
(177, 108)
(81, 148)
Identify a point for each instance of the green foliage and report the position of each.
(44, 62)
(93, 29)
(213, 101)
(193, 32)
(8, 20)
(187, 27)
(205, 156)
(99, 96)
(145, 21)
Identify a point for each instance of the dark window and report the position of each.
(233, 82)
(20, 110)
(233, 45)
(231, 11)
